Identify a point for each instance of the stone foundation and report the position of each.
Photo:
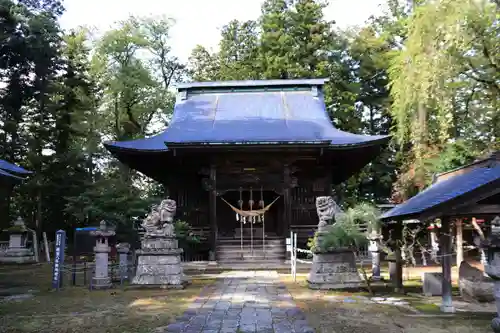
(18, 256)
(334, 270)
(159, 264)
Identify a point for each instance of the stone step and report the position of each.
(239, 256)
(238, 247)
(248, 241)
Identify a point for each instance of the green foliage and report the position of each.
(346, 231)
(15, 229)
(445, 85)
(427, 74)
(184, 232)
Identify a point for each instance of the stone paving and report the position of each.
(243, 302)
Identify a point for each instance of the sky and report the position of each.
(197, 21)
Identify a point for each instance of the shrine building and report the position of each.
(239, 146)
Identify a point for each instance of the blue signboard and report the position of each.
(58, 258)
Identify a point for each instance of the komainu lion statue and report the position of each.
(152, 220)
(168, 207)
(326, 208)
(159, 221)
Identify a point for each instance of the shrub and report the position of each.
(346, 232)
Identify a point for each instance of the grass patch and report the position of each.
(76, 309)
(426, 307)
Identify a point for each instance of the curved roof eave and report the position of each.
(444, 192)
(11, 167)
(157, 145)
(5, 174)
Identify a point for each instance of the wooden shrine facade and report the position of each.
(294, 179)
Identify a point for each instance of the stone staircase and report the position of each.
(231, 255)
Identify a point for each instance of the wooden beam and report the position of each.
(476, 209)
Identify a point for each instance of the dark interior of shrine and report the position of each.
(227, 224)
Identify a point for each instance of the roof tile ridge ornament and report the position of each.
(285, 106)
(216, 104)
(315, 91)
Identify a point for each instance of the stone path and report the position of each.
(241, 302)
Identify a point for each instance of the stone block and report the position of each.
(473, 285)
(334, 270)
(432, 283)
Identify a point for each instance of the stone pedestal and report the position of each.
(159, 259)
(334, 270)
(123, 249)
(432, 284)
(159, 264)
(18, 252)
(101, 278)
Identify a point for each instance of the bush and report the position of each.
(346, 232)
(184, 234)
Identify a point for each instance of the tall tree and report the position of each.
(447, 72)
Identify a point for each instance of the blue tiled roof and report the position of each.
(251, 117)
(10, 167)
(445, 191)
(5, 174)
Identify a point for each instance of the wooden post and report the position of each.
(46, 245)
(445, 244)
(398, 274)
(459, 242)
(287, 213)
(213, 208)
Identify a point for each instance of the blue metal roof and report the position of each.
(250, 117)
(10, 167)
(252, 83)
(445, 191)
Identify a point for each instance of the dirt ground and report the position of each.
(76, 309)
(328, 316)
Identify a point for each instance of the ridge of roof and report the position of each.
(251, 83)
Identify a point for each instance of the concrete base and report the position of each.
(334, 270)
(447, 308)
(101, 283)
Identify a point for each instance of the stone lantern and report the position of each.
(492, 268)
(375, 249)
(101, 278)
(123, 249)
(17, 251)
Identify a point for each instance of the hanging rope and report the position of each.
(248, 213)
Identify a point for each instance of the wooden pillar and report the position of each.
(213, 209)
(398, 276)
(287, 207)
(446, 249)
(459, 242)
